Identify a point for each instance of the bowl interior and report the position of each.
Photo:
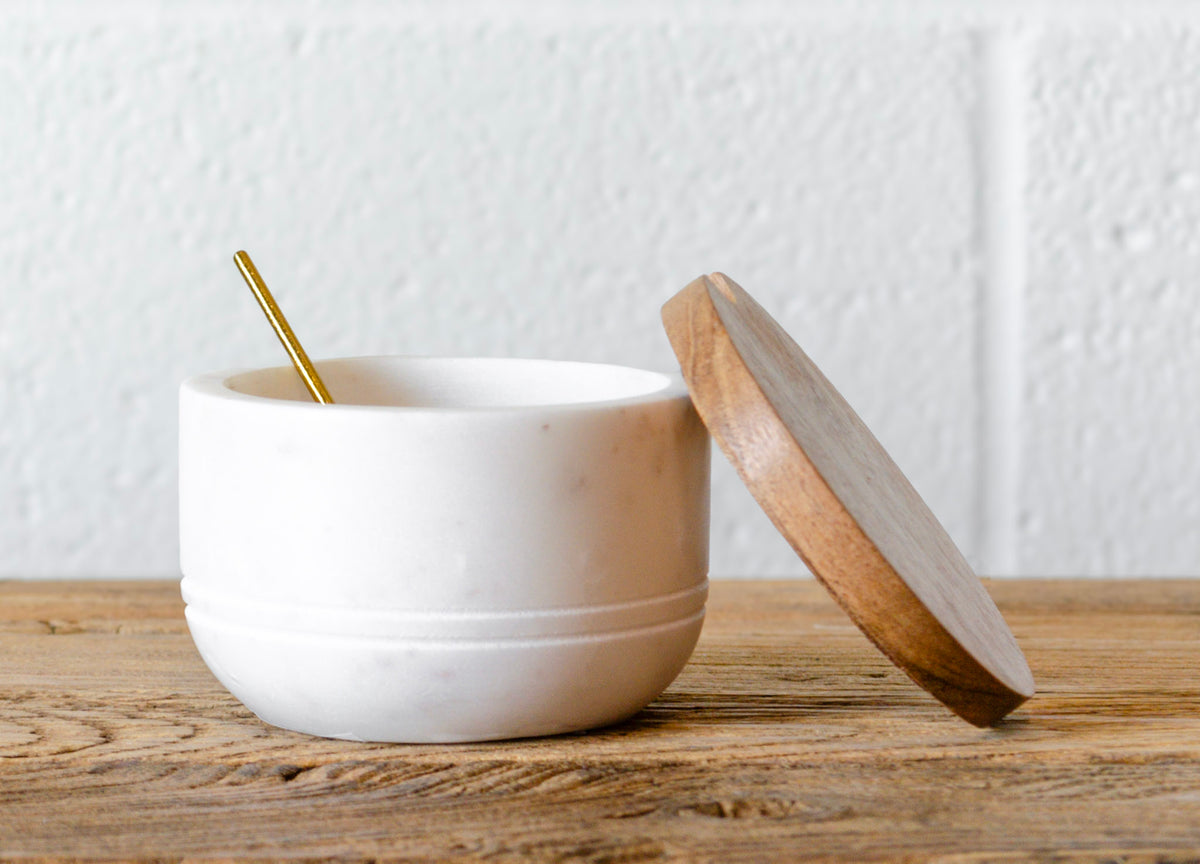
(456, 382)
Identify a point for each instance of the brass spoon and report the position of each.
(295, 350)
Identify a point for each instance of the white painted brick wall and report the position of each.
(984, 224)
(1111, 433)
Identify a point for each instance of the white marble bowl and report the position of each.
(459, 549)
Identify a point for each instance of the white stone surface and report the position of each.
(522, 179)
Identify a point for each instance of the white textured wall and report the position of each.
(984, 224)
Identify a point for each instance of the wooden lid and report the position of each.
(839, 499)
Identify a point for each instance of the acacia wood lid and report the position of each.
(839, 499)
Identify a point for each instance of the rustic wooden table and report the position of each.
(786, 737)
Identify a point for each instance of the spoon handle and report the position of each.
(295, 350)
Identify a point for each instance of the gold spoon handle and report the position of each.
(295, 350)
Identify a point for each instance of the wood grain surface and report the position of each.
(837, 497)
(788, 737)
